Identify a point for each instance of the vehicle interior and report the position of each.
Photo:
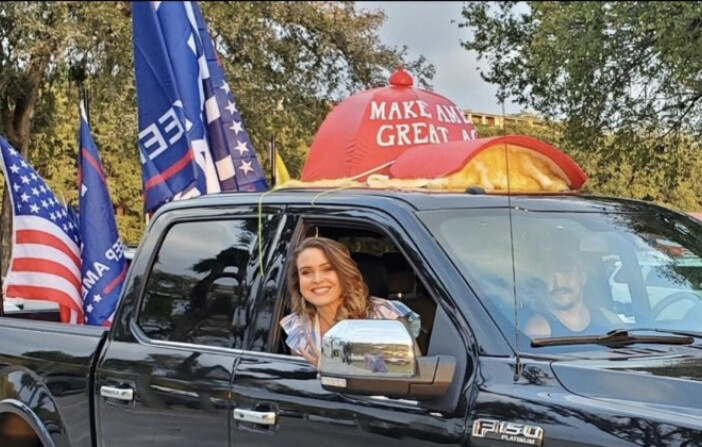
(31, 309)
(634, 276)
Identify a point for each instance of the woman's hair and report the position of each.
(354, 292)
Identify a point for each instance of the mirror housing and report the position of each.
(379, 357)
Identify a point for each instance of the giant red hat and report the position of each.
(366, 132)
(542, 168)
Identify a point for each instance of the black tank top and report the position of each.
(598, 325)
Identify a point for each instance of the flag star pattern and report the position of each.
(45, 262)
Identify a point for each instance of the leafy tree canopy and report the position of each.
(623, 78)
(287, 63)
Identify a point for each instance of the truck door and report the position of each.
(278, 398)
(164, 376)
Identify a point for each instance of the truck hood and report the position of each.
(669, 383)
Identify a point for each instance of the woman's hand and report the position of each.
(310, 352)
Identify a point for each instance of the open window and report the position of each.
(385, 269)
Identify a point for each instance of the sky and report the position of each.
(426, 29)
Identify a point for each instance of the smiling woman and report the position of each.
(326, 287)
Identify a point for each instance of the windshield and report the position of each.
(577, 273)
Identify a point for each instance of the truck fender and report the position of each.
(24, 394)
(12, 406)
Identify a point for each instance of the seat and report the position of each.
(374, 274)
(426, 308)
(401, 278)
(597, 289)
(403, 286)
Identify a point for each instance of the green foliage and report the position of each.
(622, 77)
(287, 63)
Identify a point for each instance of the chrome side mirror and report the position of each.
(378, 357)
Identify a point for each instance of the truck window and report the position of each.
(198, 285)
(636, 270)
(385, 270)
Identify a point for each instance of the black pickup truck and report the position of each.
(196, 357)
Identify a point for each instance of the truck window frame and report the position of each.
(166, 226)
(307, 223)
(450, 329)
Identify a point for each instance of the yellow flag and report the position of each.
(281, 172)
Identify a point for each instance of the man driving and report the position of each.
(566, 311)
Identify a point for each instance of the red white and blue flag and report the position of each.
(46, 261)
(192, 139)
(103, 264)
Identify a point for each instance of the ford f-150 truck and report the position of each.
(195, 355)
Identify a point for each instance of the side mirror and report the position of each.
(377, 357)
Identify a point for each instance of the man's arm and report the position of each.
(537, 326)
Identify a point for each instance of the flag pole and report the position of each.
(272, 155)
(86, 102)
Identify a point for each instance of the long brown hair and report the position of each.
(354, 292)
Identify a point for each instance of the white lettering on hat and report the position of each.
(377, 110)
(411, 134)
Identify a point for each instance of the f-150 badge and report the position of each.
(508, 432)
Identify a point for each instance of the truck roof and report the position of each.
(421, 200)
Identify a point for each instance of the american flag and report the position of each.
(46, 261)
(192, 138)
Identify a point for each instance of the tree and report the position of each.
(22, 72)
(623, 77)
(287, 63)
(39, 42)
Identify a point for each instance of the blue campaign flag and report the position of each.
(191, 137)
(229, 141)
(103, 264)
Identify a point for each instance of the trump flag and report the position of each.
(103, 264)
(45, 263)
(192, 139)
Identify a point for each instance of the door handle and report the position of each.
(255, 417)
(123, 394)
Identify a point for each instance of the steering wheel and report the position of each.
(671, 299)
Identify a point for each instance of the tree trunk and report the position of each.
(5, 233)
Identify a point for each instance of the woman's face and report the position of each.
(319, 282)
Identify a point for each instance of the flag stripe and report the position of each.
(225, 168)
(50, 240)
(26, 265)
(38, 251)
(212, 109)
(43, 293)
(115, 282)
(37, 223)
(68, 315)
(47, 280)
(89, 158)
(170, 172)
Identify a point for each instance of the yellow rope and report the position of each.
(340, 188)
